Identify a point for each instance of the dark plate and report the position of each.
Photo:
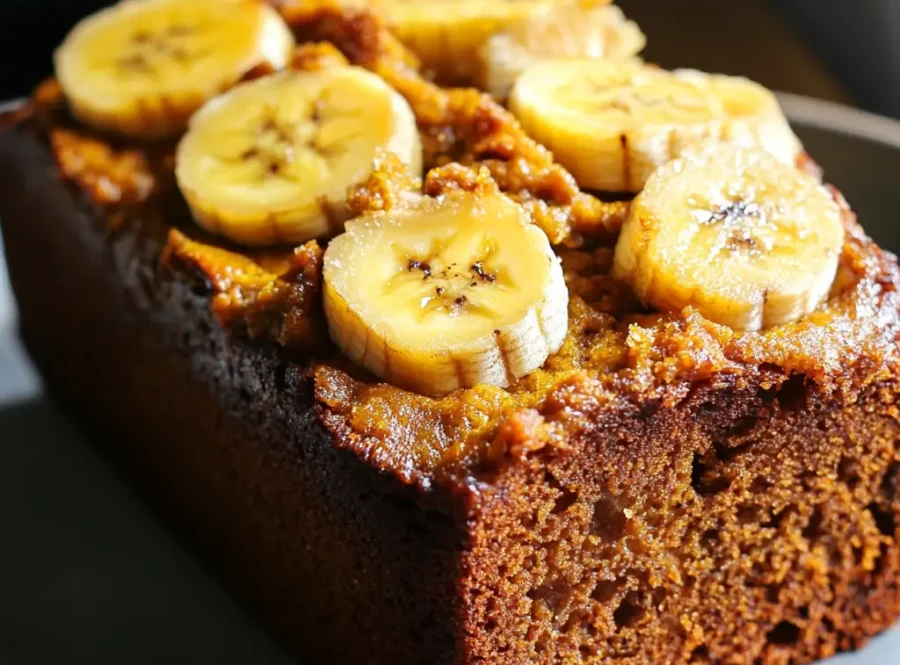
(90, 575)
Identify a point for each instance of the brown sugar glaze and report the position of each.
(614, 346)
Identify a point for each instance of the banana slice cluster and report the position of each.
(447, 292)
(142, 67)
(613, 123)
(454, 292)
(267, 161)
(578, 30)
(747, 240)
(271, 160)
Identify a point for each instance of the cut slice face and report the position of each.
(271, 160)
(612, 123)
(747, 240)
(454, 292)
(142, 67)
(576, 31)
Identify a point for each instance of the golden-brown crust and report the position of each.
(463, 125)
(109, 176)
(389, 185)
(314, 57)
(613, 348)
(272, 296)
(614, 344)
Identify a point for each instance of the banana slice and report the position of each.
(142, 67)
(446, 34)
(612, 123)
(457, 291)
(747, 240)
(576, 31)
(271, 160)
(755, 118)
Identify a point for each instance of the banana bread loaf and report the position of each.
(663, 490)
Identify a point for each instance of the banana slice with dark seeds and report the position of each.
(747, 240)
(271, 160)
(446, 294)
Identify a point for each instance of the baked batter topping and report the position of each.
(615, 348)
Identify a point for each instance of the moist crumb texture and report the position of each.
(663, 490)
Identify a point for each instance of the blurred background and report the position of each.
(842, 50)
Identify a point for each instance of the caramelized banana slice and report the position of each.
(142, 67)
(452, 292)
(612, 123)
(747, 240)
(578, 30)
(446, 34)
(271, 160)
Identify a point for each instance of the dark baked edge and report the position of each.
(229, 440)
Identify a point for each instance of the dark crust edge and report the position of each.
(416, 528)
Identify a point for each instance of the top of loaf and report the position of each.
(617, 355)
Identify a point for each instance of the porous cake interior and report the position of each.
(745, 525)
